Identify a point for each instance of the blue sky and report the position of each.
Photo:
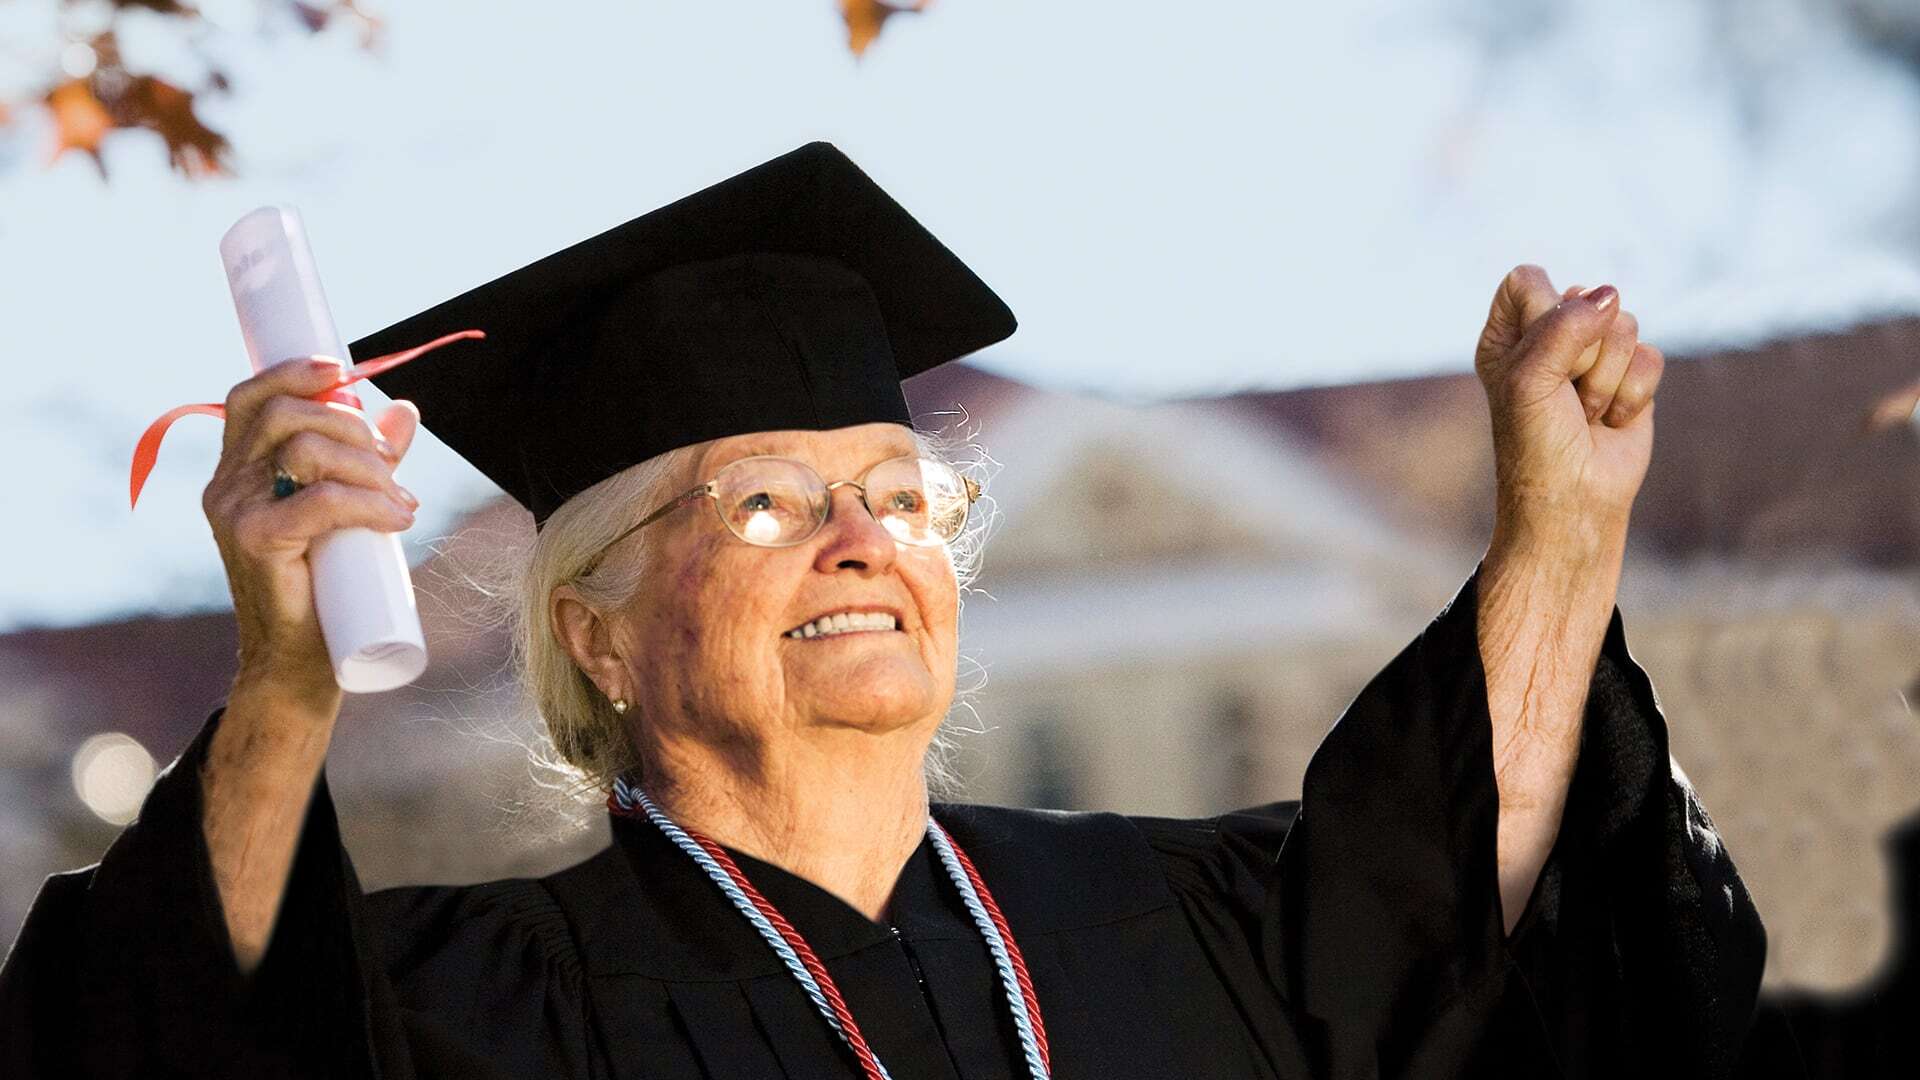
(1174, 204)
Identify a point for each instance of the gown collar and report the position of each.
(643, 908)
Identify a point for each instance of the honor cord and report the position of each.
(805, 966)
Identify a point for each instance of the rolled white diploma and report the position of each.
(361, 588)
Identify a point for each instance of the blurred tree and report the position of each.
(89, 91)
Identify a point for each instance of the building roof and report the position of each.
(1759, 453)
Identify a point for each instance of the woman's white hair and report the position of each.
(591, 740)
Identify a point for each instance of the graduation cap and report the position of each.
(794, 295)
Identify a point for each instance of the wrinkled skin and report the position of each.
(807, 753)
(702, 651)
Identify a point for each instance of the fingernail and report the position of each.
(1617, 416)
(407, 496)
(385, 447)
(1604, 297)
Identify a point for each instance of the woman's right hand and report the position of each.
(346, 469)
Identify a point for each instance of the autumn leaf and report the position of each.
(80, 121)
(192, 147)
(864, 19)
(84, 115)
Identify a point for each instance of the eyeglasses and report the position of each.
(778, 502)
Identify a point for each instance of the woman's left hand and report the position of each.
(1570, 386)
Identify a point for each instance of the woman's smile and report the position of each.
(849, 621)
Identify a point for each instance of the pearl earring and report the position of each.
(620, 706)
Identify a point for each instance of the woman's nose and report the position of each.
(854, 540)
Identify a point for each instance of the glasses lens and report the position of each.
(772, 502)
(919, 501)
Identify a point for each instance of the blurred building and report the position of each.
(1175, 605)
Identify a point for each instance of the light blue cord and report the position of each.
(1017, 1001)
(627, 797)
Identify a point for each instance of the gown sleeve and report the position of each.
(125, 968)
(1640, 950)
(1371, 911)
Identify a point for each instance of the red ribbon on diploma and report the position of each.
(148, 448)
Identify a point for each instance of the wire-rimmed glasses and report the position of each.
(779, 502)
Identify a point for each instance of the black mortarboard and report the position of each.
(794, 295)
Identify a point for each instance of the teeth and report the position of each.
(844, 622)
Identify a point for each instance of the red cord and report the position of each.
(1013, 952)
(869, 1063)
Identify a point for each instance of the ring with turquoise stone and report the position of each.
(284, 483)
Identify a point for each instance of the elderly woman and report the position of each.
(741, 621)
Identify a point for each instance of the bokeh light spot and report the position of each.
(112, 774)
(78, 60)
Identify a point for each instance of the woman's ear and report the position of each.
(588, 638)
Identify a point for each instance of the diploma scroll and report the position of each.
(361, 587)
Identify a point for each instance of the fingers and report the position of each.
(1598, 379)
(281, 417)
(1525, 295)
(1561, 342)
(312, 456)
(1637, 387)
(397, 425)
(1538, 338)
(329, 449)
(300, 378)
(265, 525)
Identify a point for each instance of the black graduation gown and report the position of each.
(1356, 934)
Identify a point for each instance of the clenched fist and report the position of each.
(1570, 385)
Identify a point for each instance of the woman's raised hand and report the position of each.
(345, 468)
(1571, 388)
